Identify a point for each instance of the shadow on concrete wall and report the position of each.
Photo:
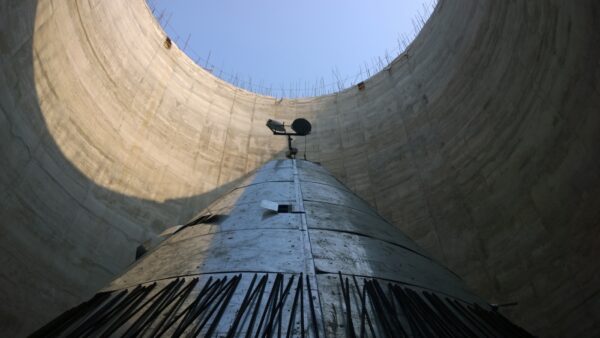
(62, 235)
(527, 86)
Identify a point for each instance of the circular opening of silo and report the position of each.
(291, 49)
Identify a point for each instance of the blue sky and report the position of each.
(290, 44)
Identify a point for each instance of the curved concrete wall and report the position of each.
(480, 143)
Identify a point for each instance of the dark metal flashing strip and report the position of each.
(197, 274)
(403, 312)
(399, 312)
(475, 300)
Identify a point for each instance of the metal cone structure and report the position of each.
(290, 252)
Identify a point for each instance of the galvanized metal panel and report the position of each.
(320, 176)
(310, 166)
(349, 305)
(269, 175)
(277, 165)
(342, 218)
(260, 250)
(325, 193)
(274, 191)
(358, 255)
(249, 216)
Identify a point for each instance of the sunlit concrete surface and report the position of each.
(480, 143)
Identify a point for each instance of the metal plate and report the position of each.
(266, 250)
(248, 216)
(278, 164)
(235, 308)
(312, 166)
(340, 218)
(330, 194)
(273, 191)
(269, 175)
(343, 315)
(364, 256)
(319, 176)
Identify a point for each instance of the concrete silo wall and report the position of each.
(481, 143)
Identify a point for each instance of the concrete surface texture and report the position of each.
(480, 143)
